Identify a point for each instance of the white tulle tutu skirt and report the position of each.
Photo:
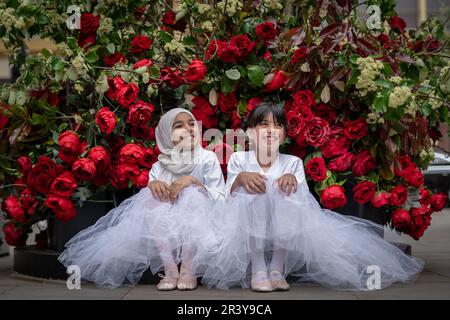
(336, 251)
(121, 245)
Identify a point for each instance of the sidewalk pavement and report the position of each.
(433, 282)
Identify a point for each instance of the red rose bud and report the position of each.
(106, 120)
(421, 216)
(401, 219)
(425, 197)
(13, 209)
(399, 195)
(149, 158)
(196, 71)
(64, 185)
(87, 40)
(381, 199)
(169, 18)
(101, 158)
(296, 124)
(299, 55)
(114, 85)
(356, 129)
(316, 169)
(69, 141)
(342, 163)
(333, 197)
(244, 45)
(438, 201)
(84, 169)
(25, 165)
(364, 191)
(173, 77)
(140, 44)
(364, 163)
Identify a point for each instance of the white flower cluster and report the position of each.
(370, 69)
(9, 20)
(79, 65)
(411, 108)
(175, 47)
(435, 102)
(64, 49)
(207, 26)
(126, 32)
(374, 117)
(266, 6)
(106, 25)
(427, 155)
(203, 8)
(56, 20)
(233, 7)
(399, 96)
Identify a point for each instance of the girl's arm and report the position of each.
(213, 177)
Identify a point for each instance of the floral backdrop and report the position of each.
(364, 103)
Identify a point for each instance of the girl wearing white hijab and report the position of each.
(162, 226)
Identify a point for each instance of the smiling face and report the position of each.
(184, 131)
(268, 133)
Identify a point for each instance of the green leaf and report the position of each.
(165, 37)
(384, 84)
(394, 114)
(42, 19)
(256, 75)
(38, 120)
(92, 56)
(233, 74)
(111, 48)
(353, 58)
(189, 41)
(443, 113)
(380, 102)
(57, 64)
(226, 85)
(154, 72)
(387, 69)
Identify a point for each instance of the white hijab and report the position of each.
(176, 160)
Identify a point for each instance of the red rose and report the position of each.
(397, 24)
(28, 201)
(142, 131)
(244, 45)
(228, 53)
(267, 56)
(112, 59)
(303, 100)
(122, 173)
(401, 219)
(149, 158)
(297, 150)
(227, 102)
(404, 166)
(14, 236)
(399, 195)
(252, 104)
(127, 94)
(266, 31)
(381, 199)
(364, 191)
(140, 44)
(101, 158)
(169, 18)
(383, 38)
(214, 47)
(235, 121)
(13, 209)
(25, 165)
(316, 169)
(325, 112)
(43, 173)
(204, 112)
(316, 132)
(278, 81)
(421, 216)
(3, 121)
(438, 201)
(140, 113)
(63, 208)
(89, 23)
(295, 124)
(141, 180)
(342, 163)
(196, 71)
(64, 185)
(143, 63)
(432, 45)
(132, 153)
(364, 163)
(84, 169)
(174, 78)
(333, 197)
(70, 145)
(425, 197)
(299, 54)
(415, 178)
(356, 129)
(337, 143)
(87, 40)
(114, 85)
(106, 120)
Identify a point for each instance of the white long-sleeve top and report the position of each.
(245, 161)
(207, 171)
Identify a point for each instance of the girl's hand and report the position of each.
(177, 186)
(253, 182)
(287, 183)
(160, 190)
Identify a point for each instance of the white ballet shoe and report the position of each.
(278, 281)
(187, 281)
(260, 282)
(167, 282)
